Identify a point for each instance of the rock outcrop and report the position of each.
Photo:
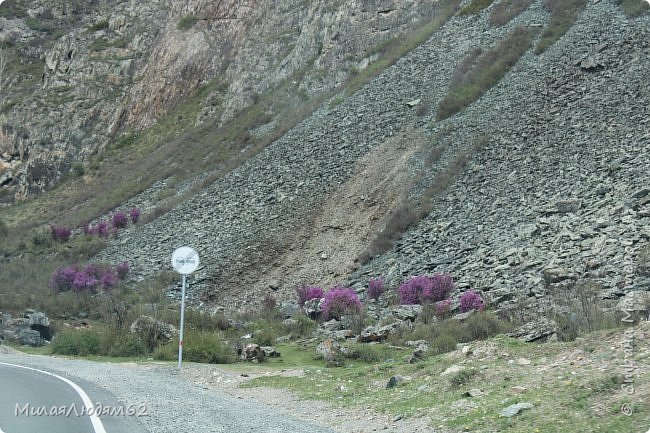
(83, 75)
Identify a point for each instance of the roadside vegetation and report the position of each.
(574, 394)
(469, 371)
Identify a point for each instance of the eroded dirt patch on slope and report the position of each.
(323, 250)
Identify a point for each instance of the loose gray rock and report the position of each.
(539, 331)
(270, 352)
(394, 381)
(515, 409)
(407, 312)
(329, 350)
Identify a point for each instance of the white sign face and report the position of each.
(185, 260)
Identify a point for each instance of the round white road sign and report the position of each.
(185, 260)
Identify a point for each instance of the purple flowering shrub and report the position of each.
(60, 234)
(120, 220)
(425, 288)
(375, 288)
(306, 293)
(340, 301)
(61, 279)
(134, 214)
(102, 229)
(90, 278)
(122, 269)
(471, 300)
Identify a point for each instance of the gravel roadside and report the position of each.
(175, 402)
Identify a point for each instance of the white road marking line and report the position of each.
(94, 419)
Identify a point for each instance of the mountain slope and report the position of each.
(553, 129)
(82, 76)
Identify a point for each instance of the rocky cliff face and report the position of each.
(79, 74)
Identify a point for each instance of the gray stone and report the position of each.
(33, 330)
(555, 275)
(330, 350)
(150, 330)
(636, 302)
(394, 381)
(313, 308)
(270, 352)
(538, 331)
(407, 312)
(515, 409)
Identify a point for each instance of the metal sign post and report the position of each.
(180, 335)
(185, 261)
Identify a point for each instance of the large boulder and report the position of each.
(539, 331)
(32, 330)
(377, 333)
(407, 312)
(39, 322)
(152, 331)
(252, 352)
(636, 305)
(331, 351)
(313, 308)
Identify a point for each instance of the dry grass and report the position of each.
(633, 8)
(479, 71)
(394, 49)
(506, 10)
(475, 6)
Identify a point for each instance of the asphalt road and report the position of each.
(34, 400)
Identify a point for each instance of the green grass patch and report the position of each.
(475, 6)
(478, 72)
(77, 343)
(633, 8)
(199, 346)
(564, 14)
(103, 44)
(576, 397)
(99, 25)
(187, 22)
(11, 9)
(336, 102)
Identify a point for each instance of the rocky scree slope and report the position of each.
(556, 194)
(82, 75)
(559, 195)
